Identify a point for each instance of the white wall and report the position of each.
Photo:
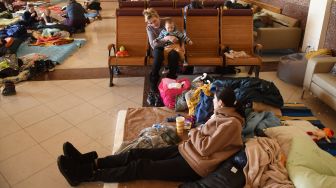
(317, 22)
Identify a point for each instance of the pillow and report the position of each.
(284, 134)
(333, 70)
(308, 166)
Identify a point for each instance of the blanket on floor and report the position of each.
(54, 53)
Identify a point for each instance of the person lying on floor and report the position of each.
(207, 146)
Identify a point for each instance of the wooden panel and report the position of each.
(204, 32)
(237, 32)
(265, 6)
(243, 61)
(130, 60)
(201, 60)
(131, 33)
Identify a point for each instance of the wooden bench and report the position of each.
(130, 33)
(202, 28)
(132, 4)
(237, 34)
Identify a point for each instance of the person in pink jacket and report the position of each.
(207, 146)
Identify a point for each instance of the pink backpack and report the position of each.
(170, 88)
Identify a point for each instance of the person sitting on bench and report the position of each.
(154, 26)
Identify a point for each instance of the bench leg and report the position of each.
(302, 95)
(111, 75)
(250, 70)
(257, 69)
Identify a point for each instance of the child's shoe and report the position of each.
(185, 63)
(165, 71)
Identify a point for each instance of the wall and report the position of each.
(330, 40)
(294, 8)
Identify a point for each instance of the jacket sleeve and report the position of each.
(224, 135)
(151, 38)
(183, 37)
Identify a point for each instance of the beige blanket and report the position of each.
(264, 168)
(136, 120)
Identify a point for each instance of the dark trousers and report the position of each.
(146, 164)
(173, 59)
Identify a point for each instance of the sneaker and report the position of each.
(165, 71)
(9, 89)
(151, 98)
(116, 70)
(185, 63)
(158, 100)
(50, 66)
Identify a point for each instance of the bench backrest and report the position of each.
(175, 14)
(132, 4)
(161, 3)
(181, 3)
(237, 29)
(213, 3)
(202, 28)
(131, 31)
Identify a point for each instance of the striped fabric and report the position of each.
(298, 111)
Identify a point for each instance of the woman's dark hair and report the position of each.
(228, 97)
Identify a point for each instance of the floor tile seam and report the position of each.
(5, 179)
(49, 136)
(59, 113)
(91, 98)
(39, 103)
(103, 110)
(36, 121)
(32, 174)
(13, 155)
(20, 181)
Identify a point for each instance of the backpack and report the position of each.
(170, 88)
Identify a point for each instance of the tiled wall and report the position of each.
(330, 41)
(294, 8)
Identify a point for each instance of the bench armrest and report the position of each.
(110, 47)
(317, 65)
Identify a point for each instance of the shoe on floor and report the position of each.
(158, 100)
(151, 98)
(9, 89)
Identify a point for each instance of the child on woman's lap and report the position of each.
(170, 30)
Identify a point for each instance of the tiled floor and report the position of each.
(44, 114)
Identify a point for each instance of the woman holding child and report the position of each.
(154, 26)
(207, 146)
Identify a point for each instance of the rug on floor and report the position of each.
(54, 53)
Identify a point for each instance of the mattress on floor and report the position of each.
(54, 53)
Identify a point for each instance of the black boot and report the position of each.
(158, 100)
(9, 88)
(70, 151)
(74, 172)
(151, 98)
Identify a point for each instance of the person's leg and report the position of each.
(173, 59)
(174, 169)
(154, 77)
(158, 56)
(123, 159)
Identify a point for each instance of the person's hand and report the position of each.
(32, 14)
(190, 42)
(172, 39)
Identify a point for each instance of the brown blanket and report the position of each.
(136, 120)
